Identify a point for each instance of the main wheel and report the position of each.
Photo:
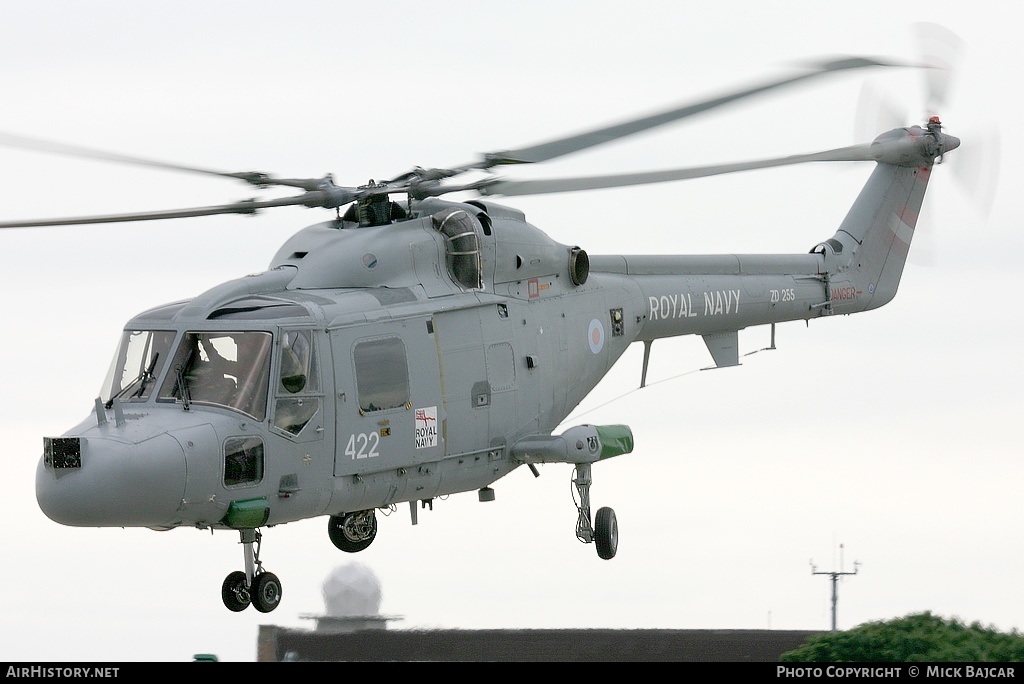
(234, 593)
(606, 533)
(266, 592)
(353, 532)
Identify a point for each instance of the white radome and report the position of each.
(351, 590)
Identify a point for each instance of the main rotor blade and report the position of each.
(537, 187)
(38, 145)
(308, 199)
(582, 141)
(256, 178)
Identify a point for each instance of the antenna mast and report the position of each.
(835, 575)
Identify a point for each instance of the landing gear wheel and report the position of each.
(266, 592)
(234, 592)
(353, 532)
(606, 533)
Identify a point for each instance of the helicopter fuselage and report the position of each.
(375, 365)
(394, 356)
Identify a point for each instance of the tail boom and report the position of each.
(859, 268)
(866, 256)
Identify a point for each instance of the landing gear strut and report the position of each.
(254, 586)
(352, 532)
(605, 530)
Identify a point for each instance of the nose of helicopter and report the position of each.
(100, 482)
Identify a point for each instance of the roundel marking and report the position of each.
(370, 260)
(595, 336)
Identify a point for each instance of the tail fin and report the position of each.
(866, 256)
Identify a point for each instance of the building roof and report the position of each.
(529, 645)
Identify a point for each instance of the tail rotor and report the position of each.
(942, 54)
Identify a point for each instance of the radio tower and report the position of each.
(835, 575)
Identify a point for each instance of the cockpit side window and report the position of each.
(243, 461)
(382, 374)
(229, 369)
(298, 382)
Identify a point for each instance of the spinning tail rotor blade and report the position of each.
(976, 168)
(941, 50)
(940, 54)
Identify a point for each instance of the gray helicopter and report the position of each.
(403, 351)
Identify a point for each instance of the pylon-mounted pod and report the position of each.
(579, 266)
(580, 444)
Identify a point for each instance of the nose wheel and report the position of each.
(235, 592)
(255, 586)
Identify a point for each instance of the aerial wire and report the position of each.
(658, 382)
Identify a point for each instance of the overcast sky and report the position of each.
(894, 433)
